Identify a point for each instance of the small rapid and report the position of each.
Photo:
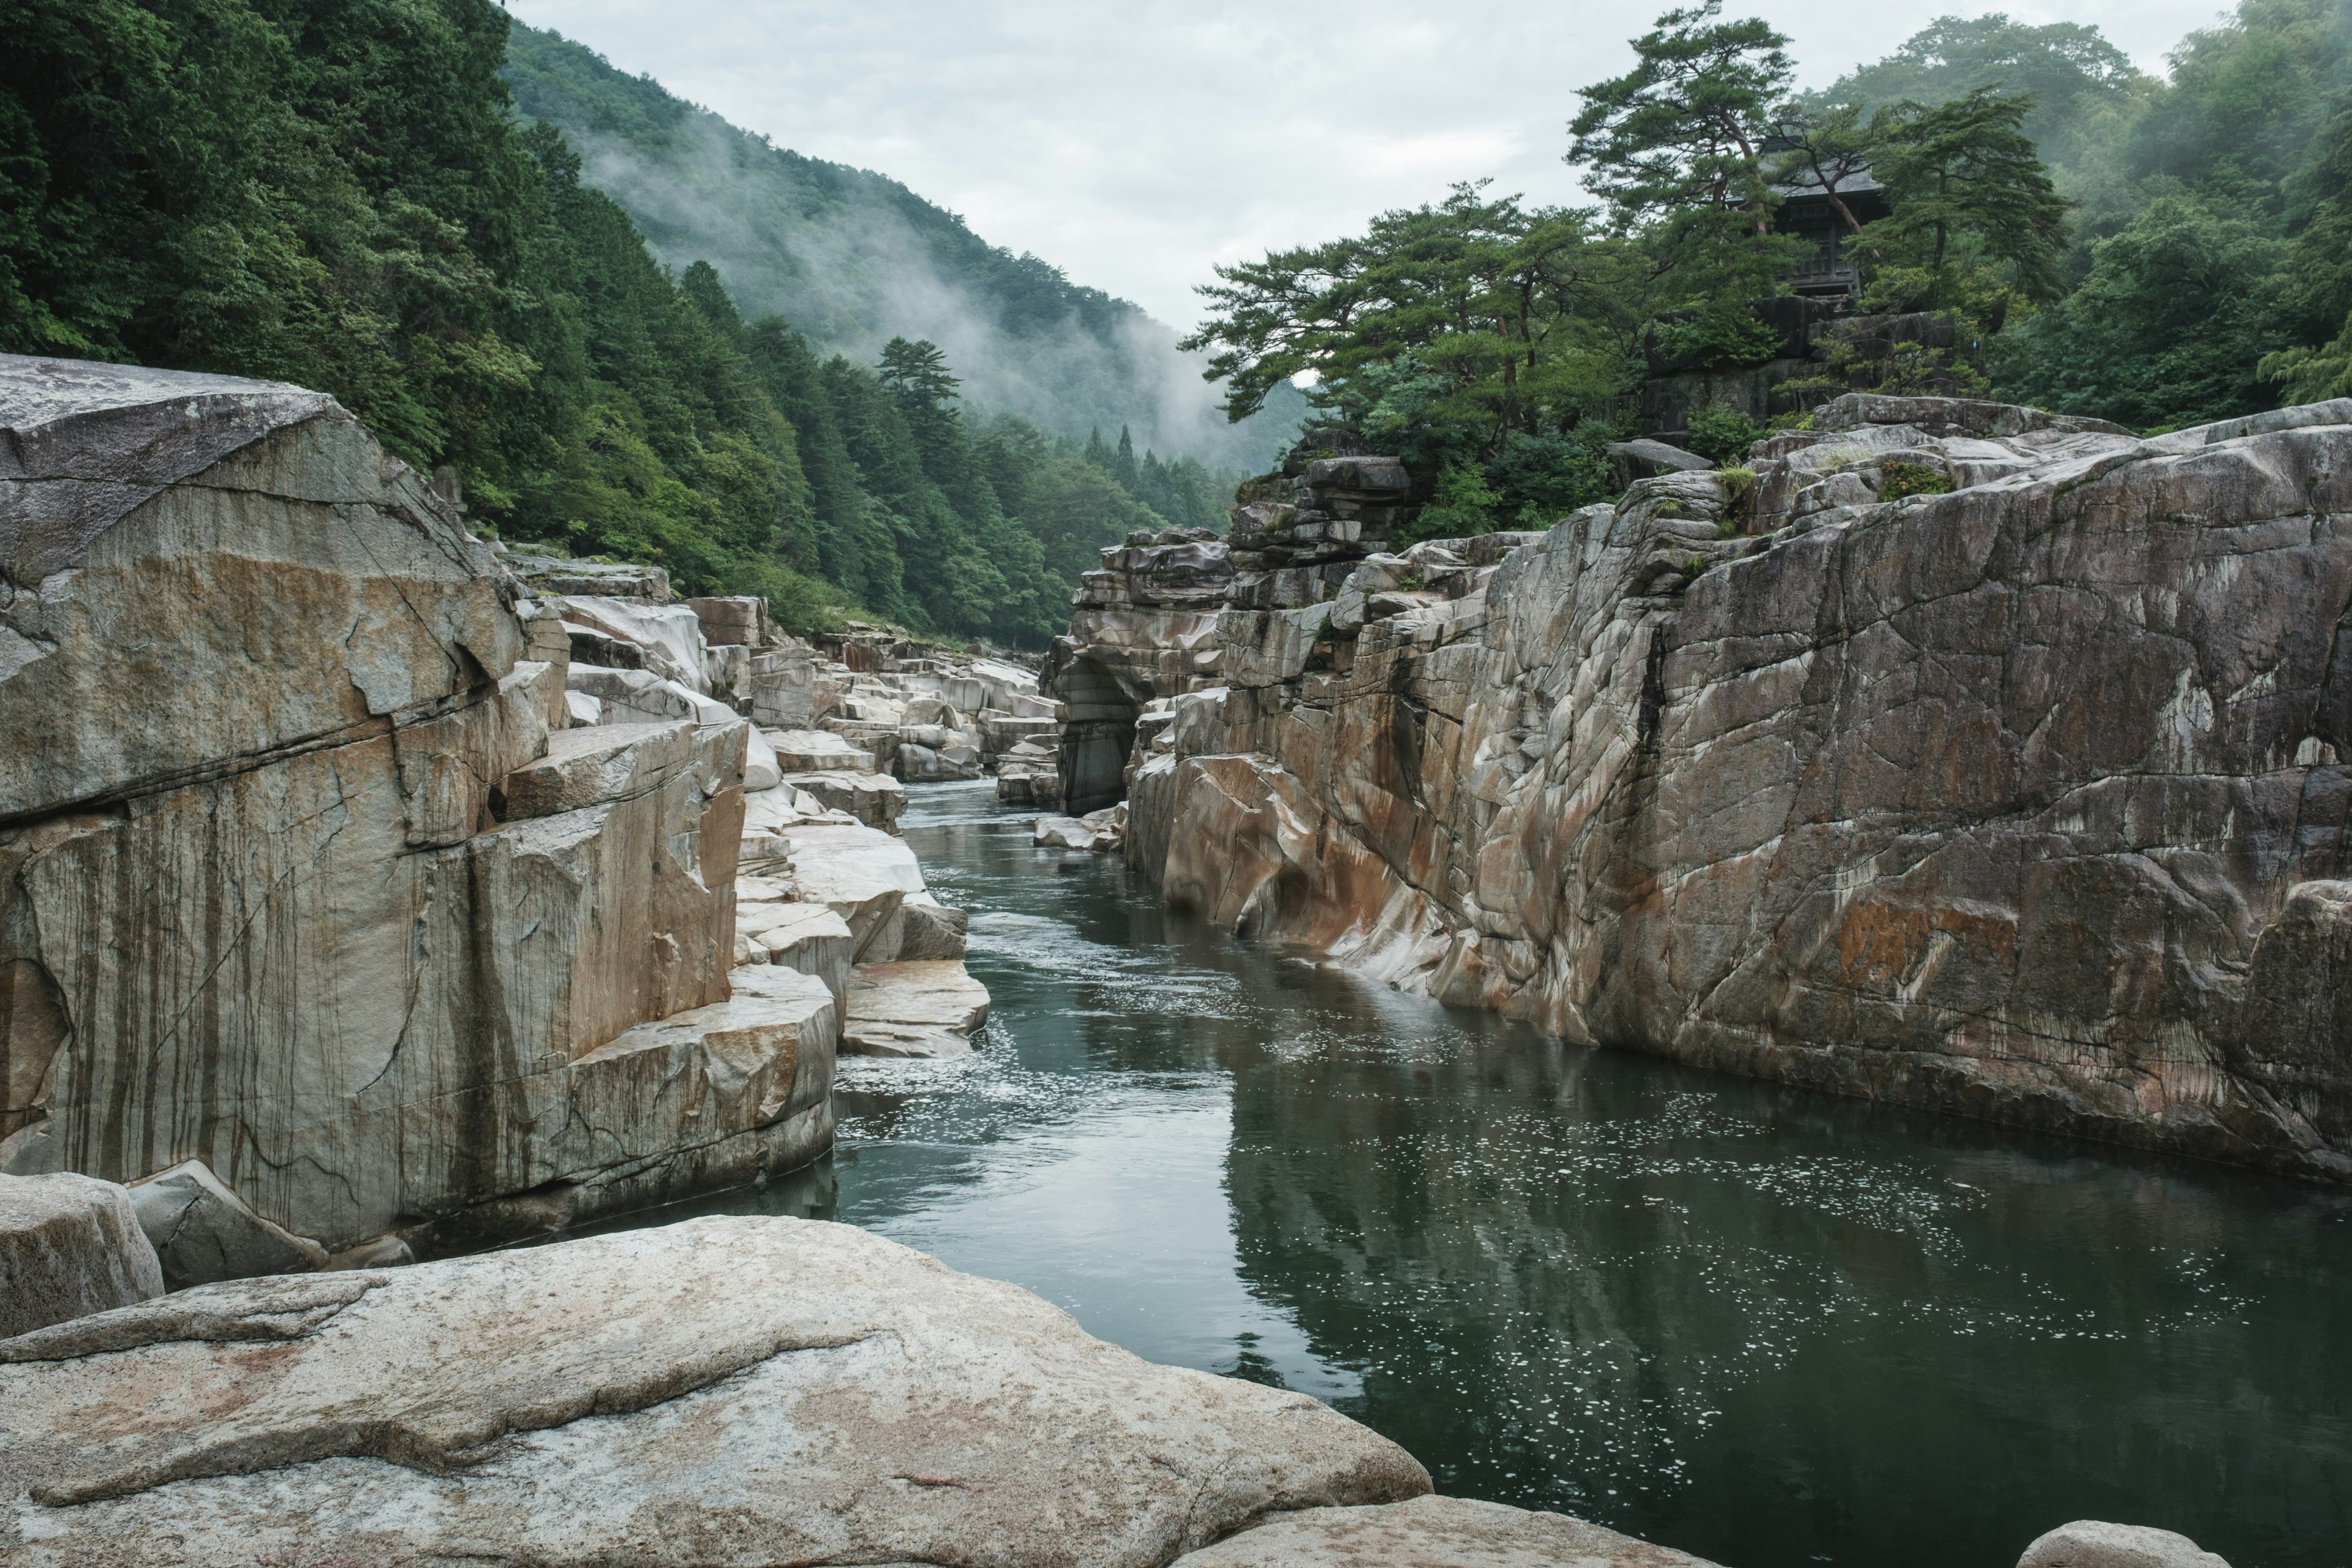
(1765, 1326)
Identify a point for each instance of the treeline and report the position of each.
(2089, 238)
(336, 192)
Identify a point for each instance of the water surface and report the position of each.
(1767, 1327)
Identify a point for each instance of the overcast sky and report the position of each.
(1138, 144)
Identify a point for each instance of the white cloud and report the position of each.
(1138, 145)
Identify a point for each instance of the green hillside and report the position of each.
(852, 258)
(339, 193)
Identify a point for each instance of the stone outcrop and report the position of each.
(2095, 1544)
(911, 1007)
(1435, 1532)
(69, 1245)
(1144, 630)
(319, 919)
(202, 1232)
(723, 1390)
(922, 714)
(1950, 753)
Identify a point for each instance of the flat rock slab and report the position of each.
(913, 1009)
(585, 767)
(725, 1389)
(812, 750)
(1435, 1532)
(69, 1245)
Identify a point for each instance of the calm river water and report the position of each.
(1767, 1327)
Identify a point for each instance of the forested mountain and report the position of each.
(337, 193)
(2210, 219)
(852, 259)
(2059, 228)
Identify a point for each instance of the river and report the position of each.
(1767, 1327)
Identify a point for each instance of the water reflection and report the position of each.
(1770, 1328)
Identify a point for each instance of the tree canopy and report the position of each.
(337, 193)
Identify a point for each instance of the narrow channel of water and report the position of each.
(1770, 1327)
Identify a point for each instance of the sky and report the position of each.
(1137, 145)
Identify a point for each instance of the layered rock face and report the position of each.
(293, 881)
(1144, 630)
(1953, 754)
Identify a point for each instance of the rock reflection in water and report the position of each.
(1766, 1327)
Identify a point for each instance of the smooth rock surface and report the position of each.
(741, 1391)
(69, 1245)
(1436, 1532)
(913, 1008)
(202, 1232)
(2094, 1543)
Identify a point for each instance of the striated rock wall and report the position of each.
(1953, 754)
(291, 883)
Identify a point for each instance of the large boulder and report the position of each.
(723, 1390)
(202, 1232)
(913, 1008)
(2095, 1543)
(1437, 1533)
(69, 1245)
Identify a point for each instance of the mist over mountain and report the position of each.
(854, 259)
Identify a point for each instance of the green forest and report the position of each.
(341, 194)
(2158, 252)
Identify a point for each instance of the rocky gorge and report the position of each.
(370, 891)
(1947, 754)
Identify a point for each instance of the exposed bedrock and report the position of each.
(303, 874)
(720, 1391)
(2025, 800)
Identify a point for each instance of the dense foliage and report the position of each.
(336, 192)
(2090, 239)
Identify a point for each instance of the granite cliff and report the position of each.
(361, 892)
(1950, 753)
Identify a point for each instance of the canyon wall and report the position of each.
(1950, 753)
(304, 874)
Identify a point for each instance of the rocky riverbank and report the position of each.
(364, 891)
(1950, 754)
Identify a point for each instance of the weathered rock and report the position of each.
(761, 769)
(556, 576)
(727, 622)
(723, 1390)
(1647, 456)
(813, 751)
(862, 875)
(912, 1009)
(929, 930)
(273, 505)
(1993, 801)
(1433, 1533)
(2092, 1543)
(202, 1232)
(296, 942)
(632, 696)
(1061, 833)
(809, 938)
(874, 799)
(669, 637)
(593, 766)
(69, 1245)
